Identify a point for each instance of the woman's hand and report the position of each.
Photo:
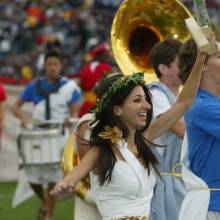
(67, 185)
(210, 35)
(63, 189)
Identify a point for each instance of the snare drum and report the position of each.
(40, 146)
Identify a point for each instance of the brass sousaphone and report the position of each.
(138, 25)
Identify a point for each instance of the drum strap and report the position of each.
(46, 94)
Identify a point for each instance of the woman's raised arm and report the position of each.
(184, 101)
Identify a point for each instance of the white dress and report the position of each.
(129, 191)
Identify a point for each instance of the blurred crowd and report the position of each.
(213, 9)
(28, 28)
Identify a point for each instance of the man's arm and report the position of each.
(75, 103)
(74, 113)
(74, 110)
(16, 109)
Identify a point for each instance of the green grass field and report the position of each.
(28, 209)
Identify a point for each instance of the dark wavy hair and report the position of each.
(106, 159)
(188, 54)
(187, 58)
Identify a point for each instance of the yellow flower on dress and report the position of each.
(113, 134)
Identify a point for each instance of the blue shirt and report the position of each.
(203, 130)
(30, 93)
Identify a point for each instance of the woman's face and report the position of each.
(133, 112)
(212, 66)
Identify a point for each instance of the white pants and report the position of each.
(213, 216)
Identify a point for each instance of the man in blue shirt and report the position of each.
(203, 123)
(55, 98)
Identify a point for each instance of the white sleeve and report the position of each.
(160, 102)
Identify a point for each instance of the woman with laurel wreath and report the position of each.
(120, 161)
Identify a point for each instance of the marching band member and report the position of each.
(54, 98)
(202, 124)
(2, 99)
(170, 190)
(92, 72)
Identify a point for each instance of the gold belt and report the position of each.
(131, 218)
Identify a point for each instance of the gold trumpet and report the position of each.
(138, 25)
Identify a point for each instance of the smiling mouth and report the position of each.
(142, 114)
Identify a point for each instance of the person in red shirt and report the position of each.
(2, 99)
(92, 72)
